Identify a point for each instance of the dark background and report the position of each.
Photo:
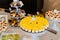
(5, 3)
(30, 6)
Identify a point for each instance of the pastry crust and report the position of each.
(38, 24)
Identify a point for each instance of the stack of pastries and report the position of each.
(3, 24)
(52, 15)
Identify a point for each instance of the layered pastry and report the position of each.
(13, 14)
(16, 15)
(22, 14)
(12, 22)
(3, 26)
(14, 3)
(33, 24)
(53, 15)
(19, 3)
(3, 23)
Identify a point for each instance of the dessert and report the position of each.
(10, 37)
(19, 3)
(53, 15)
(16, 15)
(13, 15)
(14, 3)
(33, 24)
(3, 23)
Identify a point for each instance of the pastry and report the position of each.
(52, 15)
(33, 24)
(3, 23)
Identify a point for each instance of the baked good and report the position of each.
(3, 26)
(33, 24)
(52, 15)
(3, 23)
(13, 15)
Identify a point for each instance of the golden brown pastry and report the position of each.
(52, 15)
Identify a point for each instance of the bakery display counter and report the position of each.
(16, 24)
(22, 26)
(32, 34)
